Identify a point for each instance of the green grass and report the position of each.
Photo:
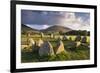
(64, 56)
(71, 53)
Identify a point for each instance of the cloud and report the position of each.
(39, 27)
(75, 23)
(40, 17)
(45, 19)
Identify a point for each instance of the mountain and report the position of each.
(26, 28)
(56, 28)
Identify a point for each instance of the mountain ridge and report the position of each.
(57, 28)
(54, 28)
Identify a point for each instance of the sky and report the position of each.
(44, 19)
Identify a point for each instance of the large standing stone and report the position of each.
(46, 49)
(60, 47)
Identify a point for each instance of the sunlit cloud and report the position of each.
(39, 27)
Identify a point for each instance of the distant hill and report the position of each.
(26, 28)
(57, 29)
(54, 28)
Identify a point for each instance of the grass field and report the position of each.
(71, 52)
(47, 38)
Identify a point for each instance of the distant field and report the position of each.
(72, 53)
(47, 38)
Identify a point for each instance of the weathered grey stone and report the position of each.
(78, 38)
(60, 47)
(84, 39)
(65, 38)
(46, 49)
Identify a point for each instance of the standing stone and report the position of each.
(39, 43)
(78, 38)
(78, 44)
(60, 47)
(84, 39)
(31, 42)
(42, 35)
(28, 37)
(64, 37)
(46, 49)
(51, 35)
(55, 37)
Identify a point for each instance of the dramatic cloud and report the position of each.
(40, 17)
(45, 19)
(39, 27)
(76, 22)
